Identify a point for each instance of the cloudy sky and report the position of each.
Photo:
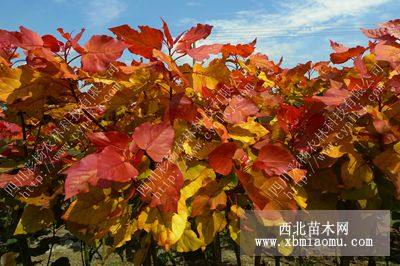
(297, 30)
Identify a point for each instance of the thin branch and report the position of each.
(18, 61)
(12, 53)
(180, 56)
(89, 115)
(62, 58)
(83, 261)
(21, 116)
(37, 137)
(93, 119)
(52, 245)
(74, 58)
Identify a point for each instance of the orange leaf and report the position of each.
(221, 158)
(156, 139)
(141, 43)
(274, 159)
(100, 51)
(167, 181)
(200, 31)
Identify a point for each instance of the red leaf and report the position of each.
(333, 96)
(168, 181)
(141, 43)
(375, 33)
(80, 175)
(395, 84)
(221, 158)
(182, 107)
(385, 31)
(361, 67)
(388, 51)
(29, 39)
(22, 179)
(210, 197)
(73, 41)
(170, 63)
(257, 197)
(203, 52)
(243, 50)
(289, 117)
(100, 51)
(392, 27)
(98, 169)
(342, 53)
(338, 47)
(262, 61)
(274, 160)
(113, 165)
(112, 138)
(167, 34)
(157, 139)
(200, 31)
(49, 41)
(239, 109)
(8, 42)
(10, 130)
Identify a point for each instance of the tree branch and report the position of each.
(21, 116)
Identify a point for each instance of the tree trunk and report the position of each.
(345, 261)
(236, 248)
(24, 252)
(371, 261)
(217, 255)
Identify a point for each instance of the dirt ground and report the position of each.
(68, 247)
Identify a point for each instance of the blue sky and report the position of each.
(297, 30)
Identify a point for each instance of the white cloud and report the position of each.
(100, 12)
(292, 19)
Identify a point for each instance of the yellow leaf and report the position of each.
(40, 201)
(396, 148)
(166, 228)
(334, 151)
(210, 76)
(208, 225)
(187, 148)
(301, 197)
(33, 219)
(355, 171)
(246, 67)
(267, 82)
(234, 216)
(60, 111)
(248, 132)
(284, 249)
(199, 148)
(152, 107)
(122, 229)
(194, 179)
(388, 161)
(90, 208)
(189, 241)
(9, 81)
